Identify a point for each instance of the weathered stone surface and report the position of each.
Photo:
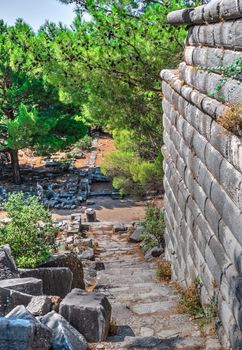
(9, 299)
(56, 280)
(136, 343)
(29, 285)
(21, 330)
(89, 313)
(137, 235)
(154, 253)
(203, 162)
(39, 305)
(71, 261)
(64, 336)
(8, 267)
(87, 254)
(98, 266)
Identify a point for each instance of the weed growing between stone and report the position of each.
(232, 120)
(163, 272)
(154, 228)
(190, 303)
(113, 328)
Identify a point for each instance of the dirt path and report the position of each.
(144, 309)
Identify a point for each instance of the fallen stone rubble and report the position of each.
(57, 187)
(47, 307)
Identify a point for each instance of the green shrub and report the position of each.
(132, 175)
(154, 227)
(85, 143)
(30, 231)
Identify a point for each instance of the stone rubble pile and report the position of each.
(47, 307)
(53, 191)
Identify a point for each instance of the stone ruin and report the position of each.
(47, 307)
(203, 162)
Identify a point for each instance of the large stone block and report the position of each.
(39, 305)
(71, 261)
(179, 17)
(8, 267)
(9, 299)
(199, 144)
(29, 285)
(212, 216)
(21, 330)
(205, 179)
(213, 160)
(64, 336)
(56, 280)
(230, 179)
(231, 245)
(89, 313)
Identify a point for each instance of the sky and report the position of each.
(35, 12)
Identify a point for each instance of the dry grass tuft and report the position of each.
(113, 328)
(163, 272)
(232, 119)
(190, 301)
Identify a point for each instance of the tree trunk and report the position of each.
(15, 167)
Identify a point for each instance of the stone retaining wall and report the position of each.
(203, 162)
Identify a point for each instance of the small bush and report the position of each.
(154, 227)
(163, 272)
(232, 120)
(85, 143)
(30, 232)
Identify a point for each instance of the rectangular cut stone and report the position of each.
(56, 280)
(229, 9)
(88, 312)
(32, 286)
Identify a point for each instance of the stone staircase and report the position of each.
(143, 309)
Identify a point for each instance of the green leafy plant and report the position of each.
(85, 143)
(30, 231)
(153, 227)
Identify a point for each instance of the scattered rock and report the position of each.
(21, 330)
(154, 252)
(118, 227)
(90, 202)
(136, 236)
(89, 275)
(39, 305)
(70, 260)
(89, 313)
(91, 215)
(29, 285)
(56, 280)
(65, 337)
(87, 254)
(69, 240)
(98, 266)
(87, 242)
(8, 268)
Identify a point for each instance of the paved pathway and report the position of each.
(143, 308)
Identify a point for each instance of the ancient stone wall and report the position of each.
(203, 162)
